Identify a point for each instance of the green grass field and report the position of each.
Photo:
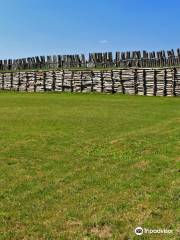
(88, 166)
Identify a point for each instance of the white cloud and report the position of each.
(104, 41)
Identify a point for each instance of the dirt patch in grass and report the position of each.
(103, 232)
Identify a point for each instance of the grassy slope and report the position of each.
(79, 166)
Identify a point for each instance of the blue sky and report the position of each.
(42, 27)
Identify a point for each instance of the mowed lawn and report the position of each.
(88, 166)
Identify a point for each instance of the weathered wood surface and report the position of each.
(136, 59)
(134, 81)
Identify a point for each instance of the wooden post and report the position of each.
(174, 72)
(112, 79)
(121, 81)
(144, 82)
(71, 82)
(63, 81)
(54, 81)
(27, 81)
(11, 81)
(102, 82)
(44, 81)
(81, 81)
(35, 80)
(19, 82)
(155, 83)
(2, 81)
(92, 82)
(135, 82)
(165, 83)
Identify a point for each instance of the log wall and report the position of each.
(103, 60)
(135, 81)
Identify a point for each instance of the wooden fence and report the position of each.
(135, 81)
(94, 60)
